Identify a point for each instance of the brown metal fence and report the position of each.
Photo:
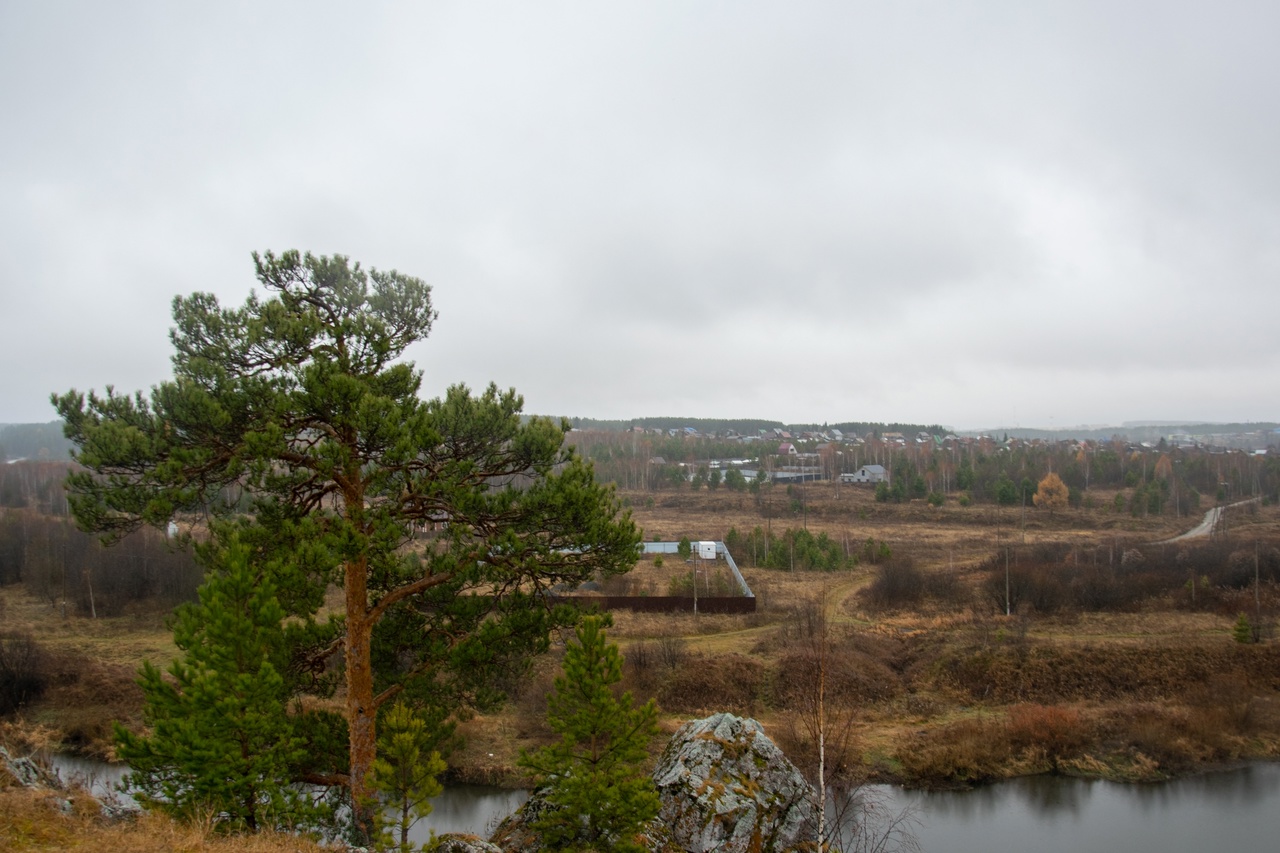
(663, 603)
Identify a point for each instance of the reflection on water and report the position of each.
(1239, 809)
(476, 809)
(98, 776)
(1217, 811)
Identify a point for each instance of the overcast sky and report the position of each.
(978, 214)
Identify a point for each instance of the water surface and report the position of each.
(1231, 810)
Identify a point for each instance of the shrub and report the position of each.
(967, 751)
(728, 682)
(851, 678)
(23, 675)
(897, 584)
(945, 587)
(1056, 730)
(671, 652)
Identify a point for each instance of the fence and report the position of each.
(744, 603)
(663, 603)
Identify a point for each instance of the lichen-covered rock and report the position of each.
(726, 786)
(461, 843)
(27, 773)
(516, 832)
(517, 835)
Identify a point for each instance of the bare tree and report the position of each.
(851, 816)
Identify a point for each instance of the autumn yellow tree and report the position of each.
(1051, 493)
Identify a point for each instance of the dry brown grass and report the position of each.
(932, 688)
(32, 820)
(124, 640)
(935, 536)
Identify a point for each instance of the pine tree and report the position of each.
(599, 799)
(405, 772)
(222, 743)
(1243, 630)
(295, 421)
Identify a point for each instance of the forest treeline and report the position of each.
(34, 441)
(1153, 480)
(71, 569)
(749, 426)
(1134, 432)
(41, 548)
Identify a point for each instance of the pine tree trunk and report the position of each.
(361, 713)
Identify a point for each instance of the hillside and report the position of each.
(1110, 663)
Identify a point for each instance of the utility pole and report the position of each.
(695, 584)
(1006, 580)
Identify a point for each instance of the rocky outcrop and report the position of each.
(28, 773)
(459, 843)
(725, 786)
(516, 834)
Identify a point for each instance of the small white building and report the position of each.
(867, 474)
(706, 550)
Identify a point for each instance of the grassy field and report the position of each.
(931, 684)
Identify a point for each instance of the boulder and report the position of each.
(461, 843)
(516, 832)
(517, 835)
(28, 773)
(725, 786)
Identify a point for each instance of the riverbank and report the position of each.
(929, 702)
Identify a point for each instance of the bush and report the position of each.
(1056, 730)
(728, 682)
(966, 752)
(671, 652)
(897, 584)
(851, 678)
(23, 675)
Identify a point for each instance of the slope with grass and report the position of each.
(1116, 658)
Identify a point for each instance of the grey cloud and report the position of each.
(862, 210)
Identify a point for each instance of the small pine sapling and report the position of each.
(599, 798)
(404, 773)
(1243, 630)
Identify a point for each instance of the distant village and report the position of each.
(830, 453)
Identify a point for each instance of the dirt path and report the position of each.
(1205, 527)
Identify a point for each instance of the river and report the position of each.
(1231, 810)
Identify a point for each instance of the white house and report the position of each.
(867, 474)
